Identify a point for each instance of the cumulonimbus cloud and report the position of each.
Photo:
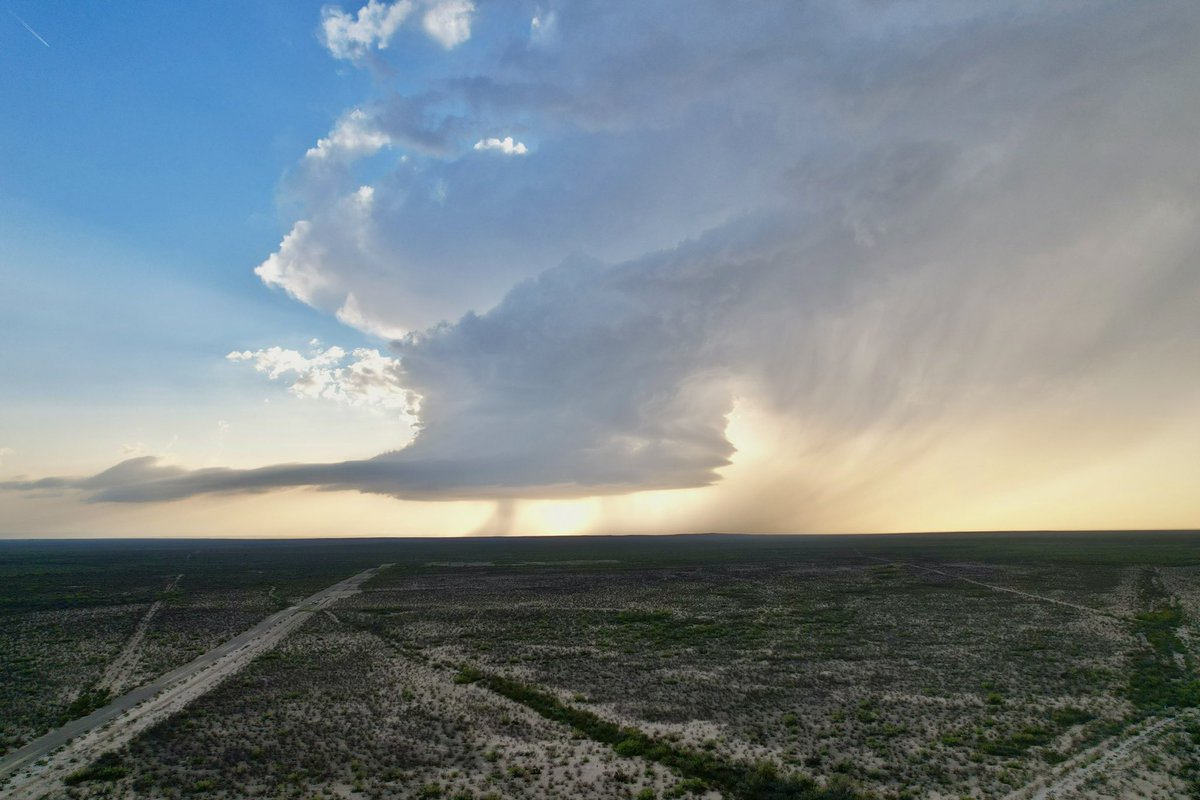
(861, 223)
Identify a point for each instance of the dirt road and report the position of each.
(994, 587)
(118, 672)
(37, 768)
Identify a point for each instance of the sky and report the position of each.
(459, 267)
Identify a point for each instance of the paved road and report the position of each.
(198, 675)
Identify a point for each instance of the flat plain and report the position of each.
(923, 666)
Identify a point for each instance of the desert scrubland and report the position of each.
(986, 666)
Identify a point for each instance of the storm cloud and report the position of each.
(865, 218)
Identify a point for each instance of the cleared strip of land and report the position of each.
(119, 670)
(37, 767)
(1096, 760)
(994, 587)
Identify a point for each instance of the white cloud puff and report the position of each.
(354, 136)
(449, 22)
(368, 380)
(507, 146)
(351, 36)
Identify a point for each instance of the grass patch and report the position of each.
(1162, 676)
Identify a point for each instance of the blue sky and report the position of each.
(449, 267)
(168, 122)
(146, 146)
(147, 143)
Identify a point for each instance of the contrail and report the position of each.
(36, 35)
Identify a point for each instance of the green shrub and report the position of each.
(1070, 715)
(633, 746)
(107, 767)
